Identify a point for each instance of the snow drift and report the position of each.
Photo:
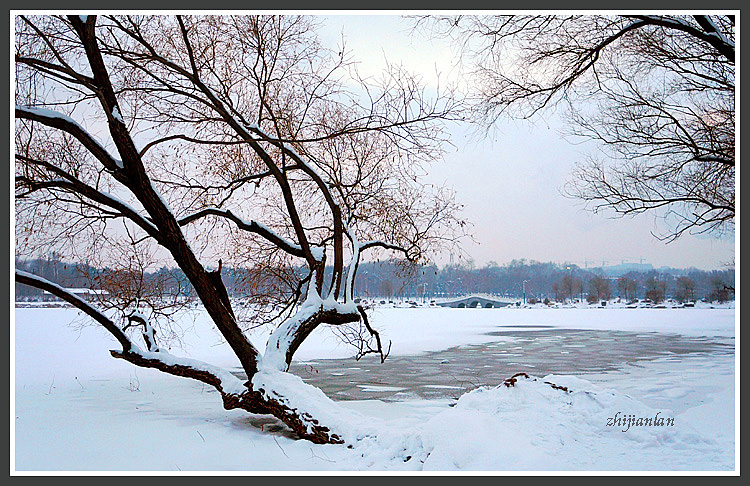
(533, 426)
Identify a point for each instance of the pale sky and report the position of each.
(511, 183)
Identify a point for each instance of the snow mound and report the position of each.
(534, 426)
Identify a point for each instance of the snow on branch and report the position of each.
(284, 341)
(55, 289)
(353, 264)
(222, 379)
(382, 244)
(67, 124)
(252, 130)
(709, 34)
(149, 333)
(70, 183)
(713, 29)
(251, 226)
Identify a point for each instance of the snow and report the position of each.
(286, 241)
(717, 32)
(309, 400)
(561, 427)
(163, 201)
(117, 116)
(77, 409)
(318, 252)
(356, 248)
(46, 112)
(378, 388)
(280, 340)
(115, 201)
(229, 382)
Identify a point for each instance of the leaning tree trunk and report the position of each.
(304, 425)
(254, 395)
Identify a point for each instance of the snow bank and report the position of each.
(532, 426)
(529, 426)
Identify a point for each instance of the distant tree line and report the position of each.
(388, 280)
(70, 275)
(540, 281)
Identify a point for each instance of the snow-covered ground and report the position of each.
(77, 409)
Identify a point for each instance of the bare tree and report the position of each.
(627, 286)
(223, 139)
(600, 287)
(655, 92)
(685, 289)
(656, 289)
(570, 287)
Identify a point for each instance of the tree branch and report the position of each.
(251, 226)
(62, 122)
(55, 289)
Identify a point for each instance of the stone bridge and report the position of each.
(474, 301)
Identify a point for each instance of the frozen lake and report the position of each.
(451, 372)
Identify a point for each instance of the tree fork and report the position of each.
(332, 317)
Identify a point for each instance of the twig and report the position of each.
(315, 456)
(282, 449)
